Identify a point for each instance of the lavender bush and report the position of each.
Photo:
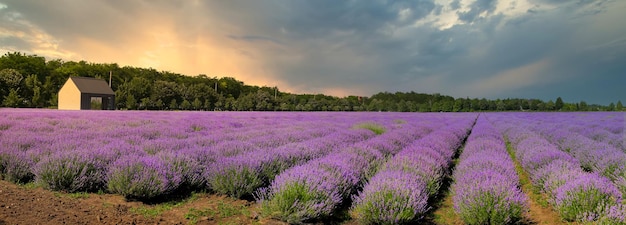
(144, 177)
(487, 197)
(241, 175)
(557, 171)
(428, 169)
(585, 197)
(400, 191)
(70, 172)
(190, 170)
(337, 175)
(303, 193)
(236, 176)
(392, 197)
(615, 215)
(486, 186)
(17, 167)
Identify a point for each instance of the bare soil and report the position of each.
(25, 204)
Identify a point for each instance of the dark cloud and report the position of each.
(14, 43)
(572, 49)
(319, 18)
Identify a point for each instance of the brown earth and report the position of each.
(539, 211)
(25, 204)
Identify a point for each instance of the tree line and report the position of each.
(32, 81)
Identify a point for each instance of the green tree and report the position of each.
(159, 104)
(550, 106)
(424, 107)
(245, 102)
(230, 87)
(54, 100)
(173, 105)
(139, 87)
(33, 89)
(48, 89)
(25, 64)
(611, 107)
(131, 102)
(467, 105)
(145, 103)
(35, 101)
(582, 106)
(13, 99)
(185, 105)
(558, 105)
(402, 106)
(10, 78)
(207, 105)
(262, 101)
(619, 106)
(500, 105)
(197, 104)
(166, 91)
(483, 104)
(458, 105)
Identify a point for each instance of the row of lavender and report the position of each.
(593, 155)
(575, 194)
(400, 191)
(304, 166)
(28, 141)
(601, 127)
(148, 154)
(77, 151)
(316, 189)
(486, 187)
(606, 158)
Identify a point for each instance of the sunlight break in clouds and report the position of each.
(462, 48)
(18, 34)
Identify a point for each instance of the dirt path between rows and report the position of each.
(20, 204)
(24, 205)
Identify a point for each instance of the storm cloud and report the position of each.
(477, 48)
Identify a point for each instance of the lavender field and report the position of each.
(378, 168)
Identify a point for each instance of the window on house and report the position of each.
(96, 103)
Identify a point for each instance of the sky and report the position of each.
(574, 49)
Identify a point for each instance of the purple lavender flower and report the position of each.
(588, 195)
(387, 199)
(575, 194)
(615, 215)
(141, 177)
(391, 197)
(487, 197)
(17, 166)
(486, 186)
(77, 170)
(427, 169)
(236, 176)
(231, 148)
(190, 170)
(296, 194)
(302, 193)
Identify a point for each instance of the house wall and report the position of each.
(69, 96)
(106, 105)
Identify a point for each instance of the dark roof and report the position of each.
(92, 85)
